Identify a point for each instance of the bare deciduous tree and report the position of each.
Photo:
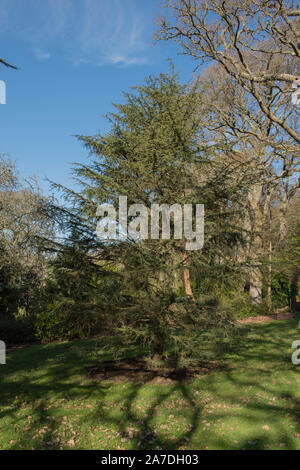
(236, 122)
(243, 37)
(254, 46)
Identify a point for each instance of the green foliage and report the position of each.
(17, 330)
(293, 248)
(66, 320)
(233, 302)
(281, 290)
(285, 283)
(155, 152)
(22, 265)
(78, 296)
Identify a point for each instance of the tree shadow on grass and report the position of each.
(144, 430)
(259, 394)
(41, 378)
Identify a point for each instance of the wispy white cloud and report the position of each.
(121, 60)
(42, 55)
(85, 31)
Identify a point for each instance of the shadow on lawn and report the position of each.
(51, 377)
(31, 378)
(43, 425)
(145, 430)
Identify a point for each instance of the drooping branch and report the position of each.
(2, 61)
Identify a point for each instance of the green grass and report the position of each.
(252, 403)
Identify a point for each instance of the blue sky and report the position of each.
(75, 58)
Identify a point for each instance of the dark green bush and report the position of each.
(16, 331)
(281, 290)
(65, 321)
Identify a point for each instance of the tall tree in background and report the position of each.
(239, 35)
(236, 120)
(23, 217)
(255, 46)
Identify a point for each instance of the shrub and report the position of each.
(66, 321)
(280, 290)
(16, 331)
(238, 305)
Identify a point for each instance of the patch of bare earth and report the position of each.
(279, 315)
(138, 370)
(17, 347)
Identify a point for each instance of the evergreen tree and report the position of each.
(155, 153)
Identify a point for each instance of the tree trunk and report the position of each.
(294, 290)
(186, 271)
(256, 244)
(256, 284)
(187, 279)
(269, 280)
(282, 219)
(270, 258)
(158, 347)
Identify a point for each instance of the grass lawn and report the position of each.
(251, 403)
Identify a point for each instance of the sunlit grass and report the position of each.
(253, 402)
